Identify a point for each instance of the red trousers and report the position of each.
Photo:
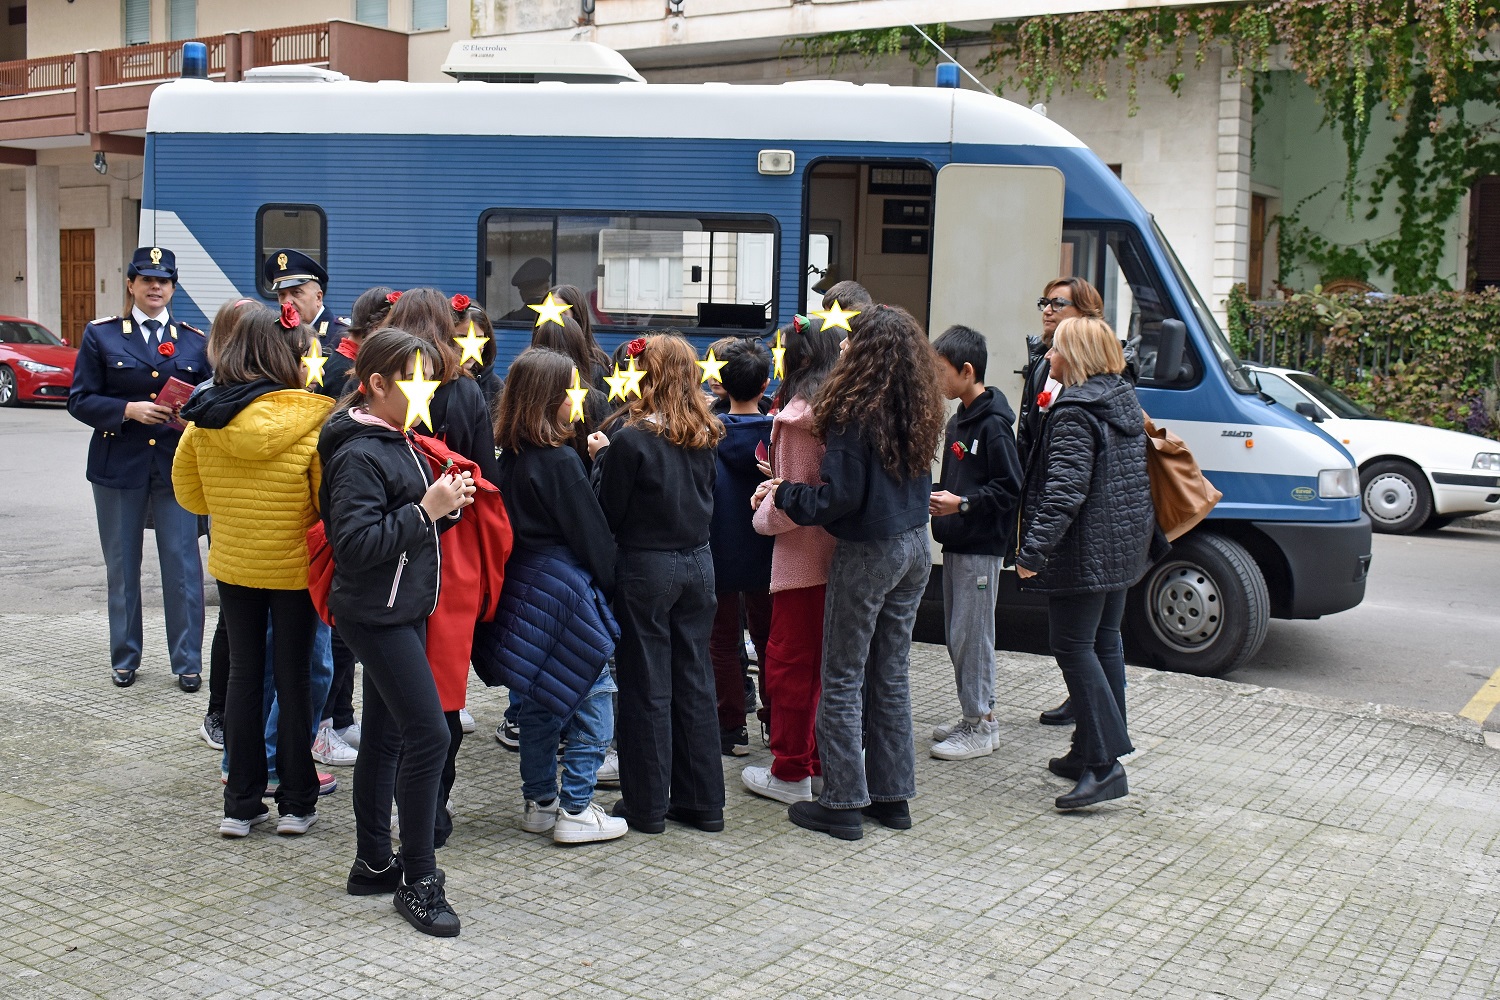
(726, 648)
(793, 672)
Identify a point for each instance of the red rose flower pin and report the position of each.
(635, 347)
(166, 348)
(290, 317)
(393, 297)
(459, 302)
(1044, 399)
(957, 449)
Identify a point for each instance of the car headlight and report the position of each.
(1487, 460)
(1338, 484)
(37, 368)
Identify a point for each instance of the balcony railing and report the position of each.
(303, 44)
(37, 76)
(160, 61)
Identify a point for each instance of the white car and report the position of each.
(1411, 476)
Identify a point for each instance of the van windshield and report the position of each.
(1234, 368)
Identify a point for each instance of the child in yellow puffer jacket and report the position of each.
(249, 460)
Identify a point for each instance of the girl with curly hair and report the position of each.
(654, 476)
(880, 415)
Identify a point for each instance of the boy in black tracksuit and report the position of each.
(973, 517)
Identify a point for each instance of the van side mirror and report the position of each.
(1170, 346)
(1310, 411)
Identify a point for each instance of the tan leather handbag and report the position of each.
(1183, 496)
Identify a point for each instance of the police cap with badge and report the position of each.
(288, 268)
(153, 262)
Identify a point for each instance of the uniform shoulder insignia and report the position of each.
(189, 326)
(103, 319)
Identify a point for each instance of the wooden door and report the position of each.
(1484, 235)
(1254, 284)
(76, 269)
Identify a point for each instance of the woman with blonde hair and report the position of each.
(1086, 522)
(654, 476)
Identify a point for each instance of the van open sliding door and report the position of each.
(996, 242)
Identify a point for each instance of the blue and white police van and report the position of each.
(721, 209)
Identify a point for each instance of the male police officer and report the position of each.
(123, 364)
(297, 278)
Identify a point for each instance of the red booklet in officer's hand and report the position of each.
(174, 394)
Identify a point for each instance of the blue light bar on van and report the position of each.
(195, 61)
(947, 75)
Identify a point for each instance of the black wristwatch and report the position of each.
(963, 505)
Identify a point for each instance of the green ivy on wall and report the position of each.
(1417, 57)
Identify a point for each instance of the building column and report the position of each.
(1232, 197)
(43, 255)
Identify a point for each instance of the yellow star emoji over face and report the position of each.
(576, 396)
(779, 354)
(418, 391)
(633, 376)
(711, 368)
(550, 311)
(472, 344)
(314, 360)
(837, 316)
(617, 383)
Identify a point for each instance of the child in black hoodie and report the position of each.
(973, 517)
(383, 513)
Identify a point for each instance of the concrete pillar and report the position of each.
(1232, 194)
(43, 271)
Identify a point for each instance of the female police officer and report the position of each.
(123, 364)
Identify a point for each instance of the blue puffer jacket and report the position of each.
(552, 634)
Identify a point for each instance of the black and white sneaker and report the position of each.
(366, 880)
(508, 735)
(425, 907)
(212, 730)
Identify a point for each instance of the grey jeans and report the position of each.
(969, 616)
(871, 606)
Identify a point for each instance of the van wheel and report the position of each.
(1395, 496)
(1202, 610)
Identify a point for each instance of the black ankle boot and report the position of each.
(1092, 788)
(845, 824)
(893, 815)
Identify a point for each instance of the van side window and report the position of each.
(289, 227)
(1135, 302)
(703, 272)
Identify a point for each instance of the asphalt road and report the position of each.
(1425, 636)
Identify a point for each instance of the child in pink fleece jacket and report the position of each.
(792, 672)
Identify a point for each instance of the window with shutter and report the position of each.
(1484, 234)
(376, 12)
(429, 14)
(182, 19)
(137, 22)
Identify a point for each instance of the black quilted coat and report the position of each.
(1086, 511)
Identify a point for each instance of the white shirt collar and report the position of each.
(163, 317)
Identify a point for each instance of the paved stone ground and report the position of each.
(1273, 847)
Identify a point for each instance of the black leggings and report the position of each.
(218, 668)
(442, 822)
(341, 695)
(293, 621)
(402, 722)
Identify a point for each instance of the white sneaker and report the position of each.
(966, 741)
(588, 826)
(296, 825)
(538, 818)
(330, 748)
(465, 720)
(762, 782)
(350, 734)
(608, 775)
(941, 733)
(229, 827)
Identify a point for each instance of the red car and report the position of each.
(34, 365)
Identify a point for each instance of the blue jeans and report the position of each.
(585, 738)
(122, 528)
(320, 679)
(869, 611)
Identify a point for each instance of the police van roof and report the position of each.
(809, 110)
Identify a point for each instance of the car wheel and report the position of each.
(1395, 496)
(9, 395)
(1203, 610)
